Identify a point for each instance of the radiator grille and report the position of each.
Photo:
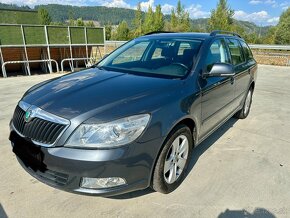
(37, 129)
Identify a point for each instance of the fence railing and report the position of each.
(270, 47)
(26, 37)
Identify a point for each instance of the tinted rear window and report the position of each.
(247, 51)
(236, 51)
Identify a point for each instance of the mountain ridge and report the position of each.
(105, 15)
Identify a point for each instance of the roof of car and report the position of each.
(178, 35)
(188, 35)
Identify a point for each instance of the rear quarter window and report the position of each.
(236, 51)
(247, 51)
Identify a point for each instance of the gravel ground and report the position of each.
(242, 170)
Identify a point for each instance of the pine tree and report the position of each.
(179, 21)
(108, 29)
(221, 18)
(185, 22)
(179, 10)
(44, 17)
(149, 20)
(173, 20)
(158, 19)
(122, 31)
(137, 23)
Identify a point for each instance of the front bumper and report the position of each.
(63, 168)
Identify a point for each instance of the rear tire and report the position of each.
(244, 112)
(172, 163)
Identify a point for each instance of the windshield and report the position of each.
(154, 57)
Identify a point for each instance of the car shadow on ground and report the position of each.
(258, 213)
(207, 143)
(197, 152)
(2, 212)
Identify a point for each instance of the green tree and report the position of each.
(179, 10)
(270, 36)
(122, 31)
(179, 20)
(149, 21)
(158, 19)
(80, 22)
(137, 22)
(221, 17)
(282, 35)
(90, 24)
(173, 20)
(108, 29)
(44, 17)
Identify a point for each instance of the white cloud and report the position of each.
(273, 3)
(270, 2)
(116, 4)
(273, 21)
(285, 5)
(167, 8)
(145, 5)
(195, 11)
(260, 16)
(255, 2)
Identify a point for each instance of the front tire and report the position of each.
(244, 112)
(172, 163)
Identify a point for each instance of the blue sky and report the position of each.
(261, 12)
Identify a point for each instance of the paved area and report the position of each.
(242, 170)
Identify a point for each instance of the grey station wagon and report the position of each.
(133, 120)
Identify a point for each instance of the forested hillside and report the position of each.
(114, 16)
(104, 15)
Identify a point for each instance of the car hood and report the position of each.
(74, 94)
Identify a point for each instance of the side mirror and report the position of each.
(221, 70)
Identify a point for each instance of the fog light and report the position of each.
(97, 183)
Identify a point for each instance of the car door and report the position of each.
(217, 93)
(242, 66)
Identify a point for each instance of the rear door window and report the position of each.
(236, 51)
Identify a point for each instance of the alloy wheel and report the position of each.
(176, 159)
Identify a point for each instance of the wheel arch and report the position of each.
(187, 121)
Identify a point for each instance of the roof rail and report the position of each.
(215, 32)
(157, 32)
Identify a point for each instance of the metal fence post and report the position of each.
(86, 41)
(25, 50)
(70, 49)
(104, 33)
(2, 62)
(48, 49)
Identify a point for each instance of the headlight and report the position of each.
(112, 134)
